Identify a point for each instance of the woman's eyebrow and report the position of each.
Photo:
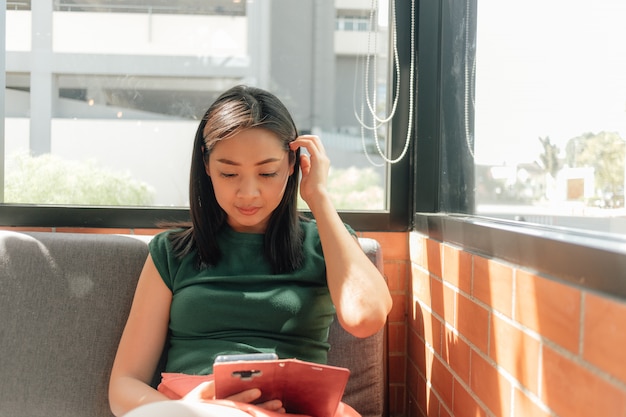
(263, 162)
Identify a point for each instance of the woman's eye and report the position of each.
(225, 175)
(269, 174)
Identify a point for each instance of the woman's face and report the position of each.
(249, 172)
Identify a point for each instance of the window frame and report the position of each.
(444, 181)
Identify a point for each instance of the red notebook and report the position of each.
(303, 387)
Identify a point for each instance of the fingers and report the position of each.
(311, 143)
(273, 405)
(204, 391)
(246, 396)
(316, 153)
(249, 396)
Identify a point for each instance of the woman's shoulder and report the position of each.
(162, 238)
(161, 243)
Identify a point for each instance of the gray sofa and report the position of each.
(64, 298)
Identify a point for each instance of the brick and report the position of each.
(399, 309)
(395, 244)
(396, 338)
(433, 257)
(473, 322)
(426, 253)
(516, 352)
(417, 249)
(464, 403)
(94, 230)
(146, 232)
(550, 308)
(433, 330)
(420, 286)
(417, 352)
(417, 389)
(26, 229)
(397, 369)
(457, 268)
(604, 332)
(442, 381)
(525, 407)
(443, 301)
(415, 319)
(457, 353)
(397, 275)
(493, 389)
(397, 400)
(493, 284)
(572, 390)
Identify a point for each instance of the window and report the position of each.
(466, 69)
(550, 113)
(96, 117)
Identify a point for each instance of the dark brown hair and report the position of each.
(237, 109)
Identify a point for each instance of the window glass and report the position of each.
(103, 98)
(550, 112)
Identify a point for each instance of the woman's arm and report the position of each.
(357, 288)
(141, 344)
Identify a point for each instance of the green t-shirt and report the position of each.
(239, 306)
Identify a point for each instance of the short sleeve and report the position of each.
(163, 257)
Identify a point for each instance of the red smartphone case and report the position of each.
(303, 387)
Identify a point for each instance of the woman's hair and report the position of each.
(237, 109)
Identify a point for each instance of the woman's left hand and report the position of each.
(206, 392)
(314, 167)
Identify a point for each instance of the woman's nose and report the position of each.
(248, 187)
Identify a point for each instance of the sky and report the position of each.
(552, 68)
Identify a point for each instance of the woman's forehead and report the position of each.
(251, 144)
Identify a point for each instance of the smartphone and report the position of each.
(303, 387)
(246, 357)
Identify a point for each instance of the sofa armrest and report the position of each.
(64, 300)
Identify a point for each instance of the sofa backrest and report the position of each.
(64, 299)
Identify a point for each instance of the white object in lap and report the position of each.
(185, 409)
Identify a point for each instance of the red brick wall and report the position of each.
(395, 248)
(487, 338)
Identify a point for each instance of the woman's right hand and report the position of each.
(206, 392)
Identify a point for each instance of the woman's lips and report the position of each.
(248, 211)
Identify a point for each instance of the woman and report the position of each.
(249, 274)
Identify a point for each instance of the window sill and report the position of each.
(594, 261)
(16, 215)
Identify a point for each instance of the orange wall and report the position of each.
(487, 338)
(397, 271)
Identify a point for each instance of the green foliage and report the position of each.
(48, 179)
(605, 152)
(354, 189)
